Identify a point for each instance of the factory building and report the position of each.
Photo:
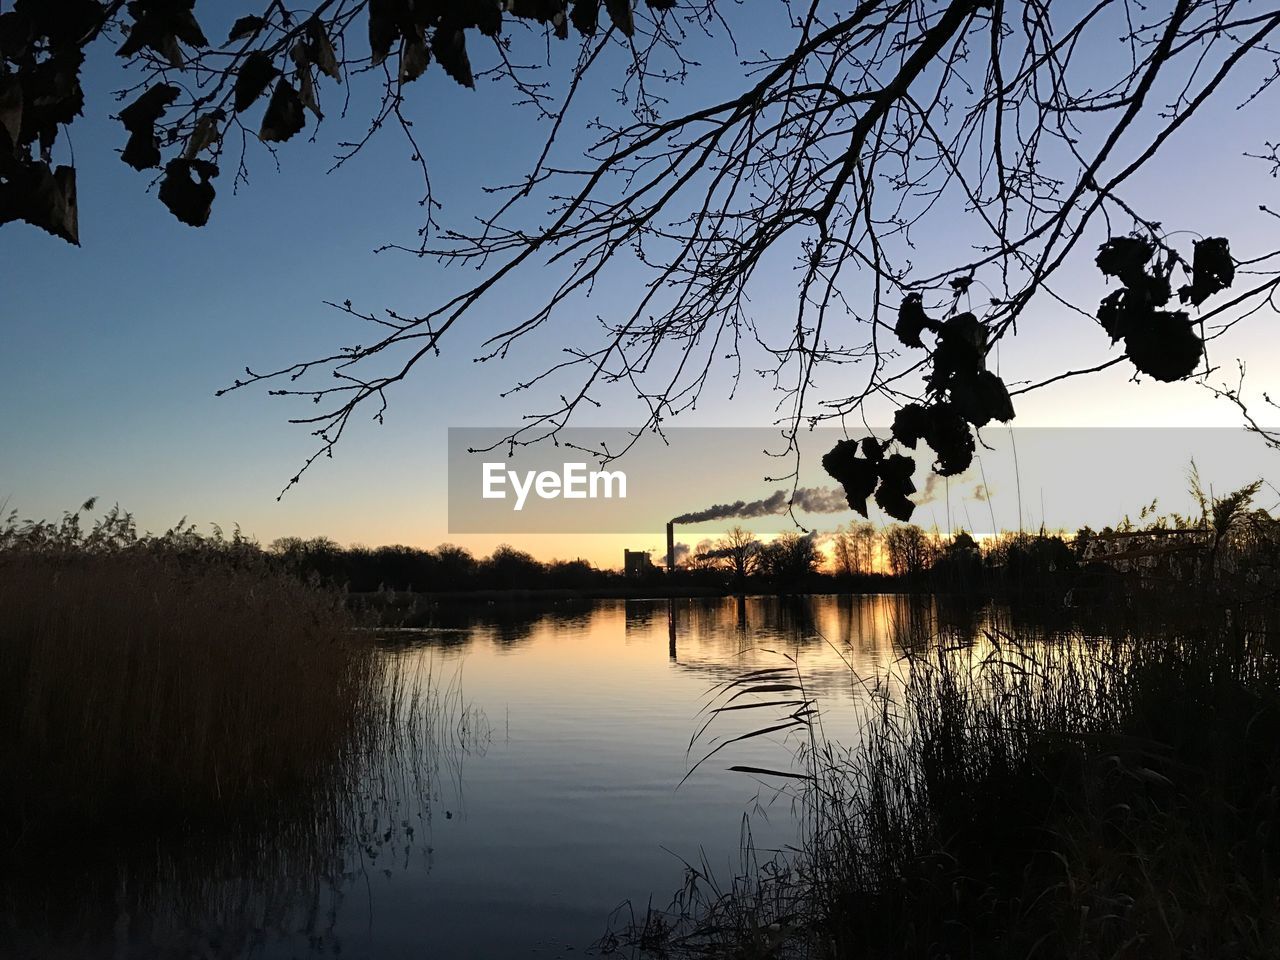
(637, 563)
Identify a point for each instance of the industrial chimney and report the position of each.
(671, 548)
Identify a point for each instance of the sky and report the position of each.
(113, 351)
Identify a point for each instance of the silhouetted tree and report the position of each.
(958, 564)
(789, 558)
(1027, 562)
(739, 550)
(704, 556)
(572, 574)
(454, 566)
(1022, 125)
(320, 556)
(907, 550)
(854, 550)
(507, 568)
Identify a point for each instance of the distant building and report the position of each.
(637, 563)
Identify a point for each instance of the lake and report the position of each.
(559, 803)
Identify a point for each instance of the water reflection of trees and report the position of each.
(716, 634)
(508, 623)
(827, 635)
(831, 632)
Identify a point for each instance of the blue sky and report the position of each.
(113, 351)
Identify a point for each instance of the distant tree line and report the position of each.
(445, 568)
(1228, 543)
(862, 556)
(319, 560)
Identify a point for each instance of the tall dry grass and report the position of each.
(134, 688)
(197, 750)
(181, 682)
(1071, 797)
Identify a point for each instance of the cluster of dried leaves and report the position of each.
(962, 395)
(196, 91)
(1161, 343)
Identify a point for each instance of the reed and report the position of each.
(196, 744)
(178, 683)
(136, 690)
(1062, 797)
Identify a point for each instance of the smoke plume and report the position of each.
(808, 499)
(933, 486)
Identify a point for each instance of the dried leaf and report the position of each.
(301, 54)
(486, 16)
(51, 96)
(585, 15)
(414, 57)
(949, 437)
(205, 134)
(284, 116)
(961, 352)
(142, 150)
(149, 107)
(910, 424)
(857, 475)
(191, 201)
(322, 50)
(620, 14)
(894, 502)
(896, 486)
(1165, 346)
(1155, 289)
(10, 111)
(1125, 258)
(244, 27)
(383, 30)
(1212, 269)
(1115, 314)
(307, 93)
(185, 25)
(169, 49)
(67, 209)
(43, 198)
(159, 25)
(256, 74)
(912, 321)
(981, 398)
(450, 47)
(873, 449)
(17, 33)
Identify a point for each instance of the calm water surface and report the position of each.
(573, 806)
(536, 834)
